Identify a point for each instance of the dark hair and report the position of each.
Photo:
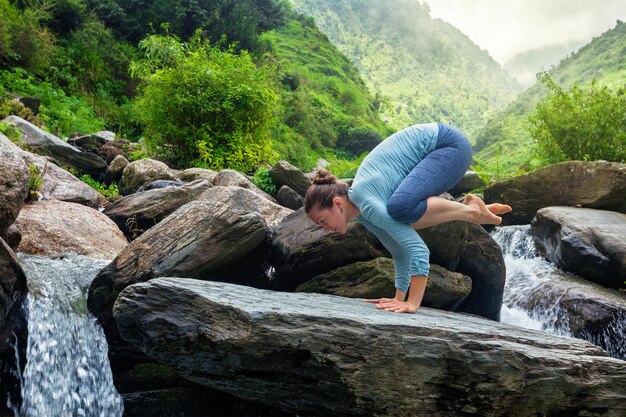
(325, 187)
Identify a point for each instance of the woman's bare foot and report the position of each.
(497, 208)
(486, 216)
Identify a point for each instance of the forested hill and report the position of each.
(505, 144)
(425, 68)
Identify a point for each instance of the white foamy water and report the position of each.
(527, 273)
(67, 371)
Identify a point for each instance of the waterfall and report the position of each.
(67, 371)
(528, 273)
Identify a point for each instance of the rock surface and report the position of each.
(192, 174)
(52, 228)
(326, 355)
(302, 250)
(58, 184)
(468, 249)
(287, 197)
(227, 177)
(590, 243)
(114, 172)
(248, 201)
(139, 172)
(43, 143)
(14, 176)
(283, 173)
(374, 279)
(600, 185)
(136, 213)
(194, 241)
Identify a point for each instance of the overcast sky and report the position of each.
(507, 27)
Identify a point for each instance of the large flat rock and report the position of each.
(318, 354)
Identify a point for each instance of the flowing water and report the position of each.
(527, 272)
(67, 371)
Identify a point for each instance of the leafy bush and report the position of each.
(10, 107)
(202, 104)
(359, 140)
(263, 180)
(112, 191)
(580, 124)
(35, 182)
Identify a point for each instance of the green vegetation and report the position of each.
(581, 124)
(422, 69)
(203, 106)
(264, 181)
(506, 140)
(35, 182)
(111, 191)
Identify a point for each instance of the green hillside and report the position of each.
(505, 147)
(425, 69)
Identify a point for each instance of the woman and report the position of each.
(394, 192)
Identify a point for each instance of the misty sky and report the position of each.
(507, 27)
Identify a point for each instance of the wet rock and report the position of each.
(44, 143)
(283, 173)
(600, 185)
(374, 279)
(136, 213)
(158, 184)
(51, 228)
(317, 354)
(587, 242)
(139, 172)
(287, 197)
(13, 238)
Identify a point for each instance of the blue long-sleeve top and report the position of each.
(378, 176)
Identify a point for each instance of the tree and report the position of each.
(203, 106)
(580, 124)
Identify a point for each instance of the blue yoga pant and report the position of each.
(437, 173)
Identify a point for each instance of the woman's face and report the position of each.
(331, 219)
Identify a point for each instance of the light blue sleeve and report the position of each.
(410, 253)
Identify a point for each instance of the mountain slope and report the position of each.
(505, 146)
(425, 68)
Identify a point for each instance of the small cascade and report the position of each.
(528, 273)
(67, 371)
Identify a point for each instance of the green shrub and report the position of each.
(112, 191)
(580, 124)
(35, 182)
(206, 105)
(10, 107)
(263, 180)
(359, 140)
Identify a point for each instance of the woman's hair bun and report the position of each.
(323, 176)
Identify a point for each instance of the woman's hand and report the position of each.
(394, 305)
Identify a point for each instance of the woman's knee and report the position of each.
(404, 210)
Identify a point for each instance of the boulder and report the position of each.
(194, 241)
(52, 228)
(158, 184)
(372, 279)
(58, 184)
(283, 173)
(587, 242)
(600, 185)
(136, 213)
(313, 354)
(139, 172)
(227, 177)
(468, 249)
(301, 250)
(89, 143)
(114, 172)
(248, 201)
(13, 238)
(44, 143)
(192, 174)
(13, 324)
(287, 197)
(470, 181)
(13, 187)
